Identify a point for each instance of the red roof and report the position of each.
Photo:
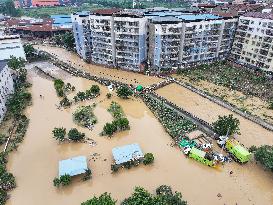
(42, 27)
(106, 11)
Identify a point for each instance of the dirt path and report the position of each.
(35, 164)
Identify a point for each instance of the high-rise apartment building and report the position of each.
(253, 44)
(163, 38)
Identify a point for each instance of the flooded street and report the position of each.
(100, 71)
(251, 133)
(35, 163)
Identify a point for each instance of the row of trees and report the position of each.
(73, 134)
(93, 92)
(164, 196)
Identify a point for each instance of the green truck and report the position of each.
(240, 153)
(201, 156)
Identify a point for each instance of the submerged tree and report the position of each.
(264, 155)
(226, 124)
(59, 133)
(104, 199)
(75, 135)
(148, 158)
(124, 92)
(29, 51)
(59, 87)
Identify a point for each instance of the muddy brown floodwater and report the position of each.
(251, 133)
(35, 163)
(115, 74)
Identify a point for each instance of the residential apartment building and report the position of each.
(189, 39)
(253, 44)
(82, 35)
(102, 37)
(6, 87)
(163, 38)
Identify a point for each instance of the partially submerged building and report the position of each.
(163, 38)
(127, 153)
(188, 39)
(253, 42)
(73, 166)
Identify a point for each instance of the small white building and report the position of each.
(127, 153)
(11, 46)
(6, 87)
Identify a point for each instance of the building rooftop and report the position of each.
(259, 15)
(106, 11)
(127, 153)
(62, 21)
(73, 166)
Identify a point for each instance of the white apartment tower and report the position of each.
(253, 44)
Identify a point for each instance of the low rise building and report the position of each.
(253, 44)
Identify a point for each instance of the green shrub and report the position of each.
(65, 179)
(59, 87)
(59, 133)
(75, 135)
(124, 92)
(148, 158)
(264, 155)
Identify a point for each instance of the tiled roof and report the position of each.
(259, 15)
(106, 11)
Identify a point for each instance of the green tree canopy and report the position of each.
(226, 124)
(264, 155)
(148, 158)
(104, 199)
(29, 51)
(75, 135)
(8, 8)
(139, 197)
(59, 133)
(124, 92)
(16, 63)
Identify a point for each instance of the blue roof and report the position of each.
(73, 166)
(180, 15)
(192, 17)
(61, 20)
(127, 153)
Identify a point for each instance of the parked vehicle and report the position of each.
(238, 151)
(233, 147)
